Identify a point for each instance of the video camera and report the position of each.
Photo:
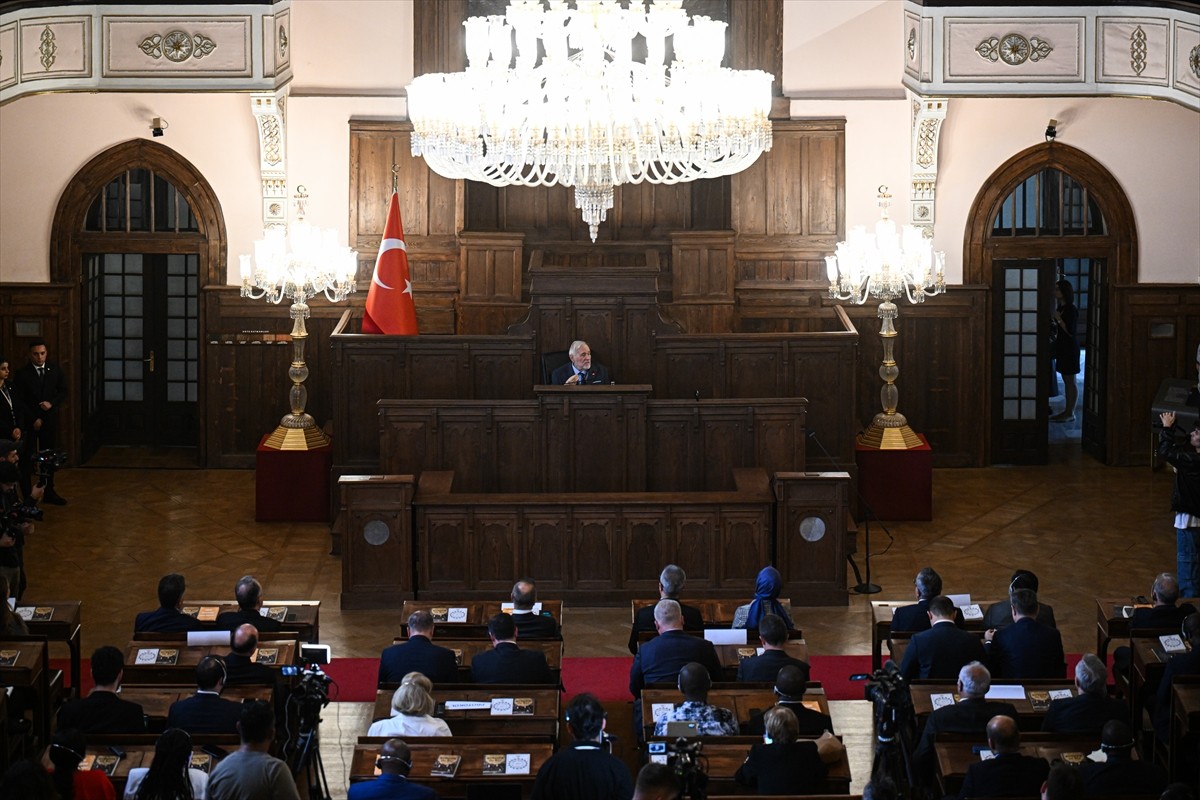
(47, 462)
(886, 685)
(684, 758)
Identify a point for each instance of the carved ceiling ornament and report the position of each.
(1013, 49)
(912, 43)
(48, 48)
(1194, 61)
(283, 43)
(1137, 50)
(177, 46)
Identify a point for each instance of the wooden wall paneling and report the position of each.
(51, 309)
(595, 438)
(438, 38)
(825, 377)
(756, 38)
(593, 549)
(823, 184)
(446, 551)
(727, 444)
(517, 455)
(755, 370)
(702, 279)
(745, 537)
(645, 550)
(815, 569)
(377, 540)
(497, 549)
(408, 443)
(491, 266)
(694, 541)
(685, 368)
(544, 553)
(675, 451)
(779, 436)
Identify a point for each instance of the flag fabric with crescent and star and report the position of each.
(390, 307)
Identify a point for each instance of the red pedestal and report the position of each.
(292, 485)
(898, 484)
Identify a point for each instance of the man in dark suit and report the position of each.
(661, 658)
(418, 654)
(103, 711)
(941, 651)
(1009, 773)
(968, 715)
(670, 585)
(206, 711)
(773, 635)
(168, 618)
(240, 667)
(1120, 773)
(790, 685)
(1183, 664)
(531, 624)
(42, 387)
(1091, 708)
(581, 371)
(1166, 611)
(1026, 649)
(248, 593)
(915, 617)
(505, 662)
(999, 615)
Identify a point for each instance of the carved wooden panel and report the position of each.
(744, 547)
(496, 551)
(445, 550)
(810, 536)
(544, 551)
(595, 438)
(593, 549)
(376, 539)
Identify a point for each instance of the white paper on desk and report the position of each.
(984, 755)
(1172, 643)
(1005, 692)
(509, 607)
(468, 705)
(456, 615)
(208, 638)
(960, 600)
(723, 636)
(516, 764)
(24, 612)
(941, 699)
(972, 611)
(660, 710)
(502, 706)
(1061, 694)
(146, 655)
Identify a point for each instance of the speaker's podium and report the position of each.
(291, 485)
(897, 484)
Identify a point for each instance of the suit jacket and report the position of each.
(507, 663)
(205, 713)
(1006, 775)
(389, 787)
(999, 615)
(644, 621)
(102, 712)
(1027, 649)
(792, 768)
(421, 655)
(812, 723)
(1160, 616)
(232, 620)
(34, 390)
(1086, 713)
(940, 652)
(166, 620)
(241, 670)
(765, 667)
(14, 414)
(661, 658)
(969, 715)
(535, 626)
(916, 617)
(1122, 775)
(598, 374)
(1182, 664)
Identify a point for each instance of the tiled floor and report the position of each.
(1084, 528)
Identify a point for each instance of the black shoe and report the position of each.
(54, 498)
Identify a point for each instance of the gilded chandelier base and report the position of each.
(297, 432)
(889, 432)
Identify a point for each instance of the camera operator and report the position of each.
(16, 522)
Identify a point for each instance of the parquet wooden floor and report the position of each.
(1085, 529)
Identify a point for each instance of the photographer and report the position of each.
(15, 524)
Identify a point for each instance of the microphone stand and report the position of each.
(863, 587)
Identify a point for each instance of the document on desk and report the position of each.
(722, 636)
(972, 611)
(1006, 692)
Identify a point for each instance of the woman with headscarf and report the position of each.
(766, 601)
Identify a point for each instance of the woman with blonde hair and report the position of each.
(412, 711)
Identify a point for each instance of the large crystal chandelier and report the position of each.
(576, 109)
(887, 265)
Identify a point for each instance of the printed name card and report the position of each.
(502, 707)
(718, 636)
(972, 611)
(146, 655)
(960, 600)
(468, 705)
(444, 614)
(659, 710)
(1172, 643)
(8, 658)
(507, 608)
(941, 700)
(1061, 694)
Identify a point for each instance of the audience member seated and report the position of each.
(168, 617)
(102, 711)
(1120, 772)
(584, 769)
(505, 662)
(170, 774)
(694, 683)
(882, 788)
(928, 585)
(660, 659)
(969, 715)
(394, 763)
(418, 654)
(789, 688)
(766, 601)
(206, 711)
(656, 782)
(1183, 664)
(1027, 648)
(26, 779)
(530, 624)
(941, 651)
(1164, 613)
(773, 635)
(999, 615)
(1009, 773)
(580, 371)
(1063, 783)
(1091, 708)
(670, 585)
(784, 763)
(251, 772)
(412, 711)
(240, 667)
(248, 593)
(67, 750)
(10, 622)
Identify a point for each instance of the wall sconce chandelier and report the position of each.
(886, 265)
(300, 262)
(575, 109)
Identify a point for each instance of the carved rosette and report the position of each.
(912, 43)
(1137, 50)
(1194, 61)
(1013, 49)
(177, 46)
(283, 43)
(48, 48)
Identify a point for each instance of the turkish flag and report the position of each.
(390, 307)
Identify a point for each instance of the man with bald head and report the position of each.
(1009, 773)
(1167, 612)
(248, 593)
(394, 762)
(968, 715)
(661, 658)
(240, 666)
(1120, 772)
(694, 683)
(531, 624)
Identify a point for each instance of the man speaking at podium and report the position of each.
(581, 370)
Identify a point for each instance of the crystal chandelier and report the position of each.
(300, 262)
(886, 265)
(575, 109)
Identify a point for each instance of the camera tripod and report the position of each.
(306, 757)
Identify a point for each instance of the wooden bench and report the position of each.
(542, 722)
(724, 754)
(183, 671)
(717, 612)
(470, 770)
(745, 700)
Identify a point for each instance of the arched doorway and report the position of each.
(1050, 211)
(139, 232)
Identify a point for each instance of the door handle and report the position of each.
(150, 361)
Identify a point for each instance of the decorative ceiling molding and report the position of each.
(270, 118)
(1081, 50)
(928, 113)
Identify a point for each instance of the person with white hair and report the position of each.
(1091, 708)
(581, 371)
(968, 715)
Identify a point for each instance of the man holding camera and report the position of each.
(42, 386)
(16, 522)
